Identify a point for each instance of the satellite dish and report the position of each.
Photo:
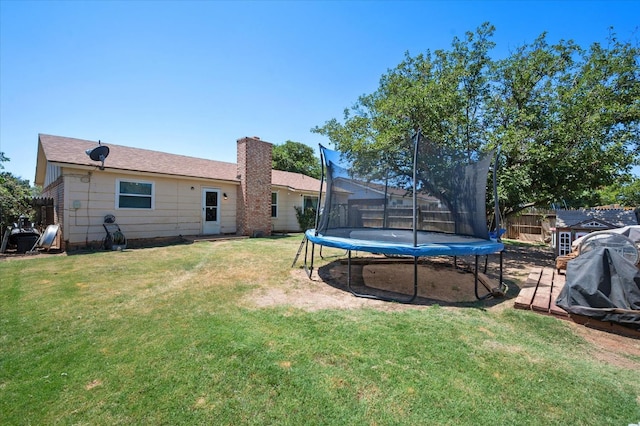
(99, 153)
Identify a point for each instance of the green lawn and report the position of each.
(166, 336)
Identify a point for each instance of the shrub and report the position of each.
(306, 217)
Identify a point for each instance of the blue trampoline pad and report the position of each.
(400, 242)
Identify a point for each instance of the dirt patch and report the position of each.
(327, 288)
(611, 348)
(440, 282)
(93, 384)
(310, 295)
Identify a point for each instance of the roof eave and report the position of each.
(141, 172)
(291, 188)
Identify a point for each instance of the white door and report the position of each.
(210, 211)
(564, 245)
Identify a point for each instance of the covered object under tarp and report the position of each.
(632, 232)
(602, 285)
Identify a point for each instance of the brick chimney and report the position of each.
(254, 193)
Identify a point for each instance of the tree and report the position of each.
(296, 157)
(566, 119)
(15, 197)
(627, 193)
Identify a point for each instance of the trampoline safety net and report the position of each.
(376, 192)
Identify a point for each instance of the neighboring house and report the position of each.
(371, 211)
(573, 224)
(290, 190)
(375, 193)
(154, 194)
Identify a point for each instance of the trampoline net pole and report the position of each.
(415, 188)
(319, 206)
(496, 205)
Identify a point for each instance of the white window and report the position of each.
(274, 204)
(309, 202)
(134, 194)
(564, 245)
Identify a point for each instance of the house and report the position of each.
(158, 195)
(573, 224)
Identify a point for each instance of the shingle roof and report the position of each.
(615, 217)
(295, 181)
(71, 151)
(64, 150)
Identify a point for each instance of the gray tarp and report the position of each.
(602, 285)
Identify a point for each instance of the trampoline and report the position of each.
(431, 205)
(399, 242)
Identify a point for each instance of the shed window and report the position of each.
(134, 194)
(594, 224)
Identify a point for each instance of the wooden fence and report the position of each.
(531, 225)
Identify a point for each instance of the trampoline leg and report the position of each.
(349, 271)
(475, 279)
(302, 244)
(387, 299)
(500, 283)
(475, 283)
(309, 269)
(415, 279)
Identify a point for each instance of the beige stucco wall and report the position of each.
(177, 210)
(287, 199)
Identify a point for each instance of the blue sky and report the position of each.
(191, 78)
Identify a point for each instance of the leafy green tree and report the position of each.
(442, 92)
(627, 193)
(296, 157)
(15, 197)
(566, 118)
